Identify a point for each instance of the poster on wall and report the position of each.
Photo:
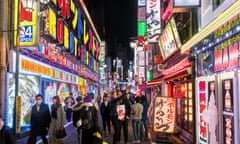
(202, 107)
(205, 63)
(63, 90)
(227, 88)
(228, 127)
(28, 88)
(228, 112)
(164, 114)
(49, 89)
(210, 114)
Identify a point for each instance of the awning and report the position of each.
(154, 81)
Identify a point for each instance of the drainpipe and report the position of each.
(4, 34)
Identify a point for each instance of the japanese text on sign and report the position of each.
(164, 115)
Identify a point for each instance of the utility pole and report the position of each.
(4, 35)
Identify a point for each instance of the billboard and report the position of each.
(186, 3)
(153, 20)
(164, 114)
(27, 26)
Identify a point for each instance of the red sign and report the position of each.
(178, 67)
(203, 130)
(226, 55)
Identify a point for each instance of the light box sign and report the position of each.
(27, 22)
(69, 28)
(142, 28)
(186, 3)
(228, 111)
(153, 20)
(226, 55)
(202, 106)
(167, 41)
(164, 115)
(141, 2)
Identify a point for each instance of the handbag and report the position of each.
(61, 133)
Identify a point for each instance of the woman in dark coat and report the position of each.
(5, 134)
(114, 117)
(40, 120)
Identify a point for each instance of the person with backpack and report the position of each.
(76, 116)
(88, 121)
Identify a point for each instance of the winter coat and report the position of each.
(105, 110)
(40, 120)
(145, 110)
(137, 110)
(6, 136)
(76, 113)
(120, 101)
(56, 124)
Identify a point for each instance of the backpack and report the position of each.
(87, 114)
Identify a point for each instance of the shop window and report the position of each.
(187, 108)
(216, 3)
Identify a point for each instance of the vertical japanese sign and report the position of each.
(202, 106)
(228, 112)
(153, 20)
(164, 115)
(27, 27)
(18, 113)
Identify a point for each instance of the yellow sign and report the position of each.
(27, 16)
(18, 114)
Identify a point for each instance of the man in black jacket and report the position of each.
(40, 120)
(124, 122)
(105, 112)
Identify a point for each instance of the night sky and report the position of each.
(120, 22)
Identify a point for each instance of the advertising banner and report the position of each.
(228, 112)
(186, 3)
(153, 20)
(167, 41)
(202, 106)
(29, 86)
(164, 114)
(27, 27)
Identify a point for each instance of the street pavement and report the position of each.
(71, 137)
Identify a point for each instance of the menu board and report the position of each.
(164, 114)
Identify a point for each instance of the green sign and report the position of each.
(149, 75)
(142, 28)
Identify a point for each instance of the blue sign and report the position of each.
(26, 33)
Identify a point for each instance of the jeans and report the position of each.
(106, 123)
(145, 125)
(136, 124)
(69, 114)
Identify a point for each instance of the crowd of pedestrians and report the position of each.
(117, 108)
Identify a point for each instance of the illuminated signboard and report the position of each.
(228, 111)
(142, 28)
(226, 54)
(202, 106)
(164, 115)
(141, 13)
(186, 3)
(153, 20)
(27, 22)
(167, 41)
(69, 28)
(141, 2)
